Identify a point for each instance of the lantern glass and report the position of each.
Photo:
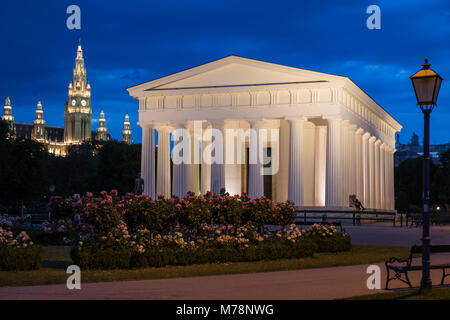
(427, 84)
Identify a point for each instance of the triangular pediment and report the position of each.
(234, 71)
(236, 74)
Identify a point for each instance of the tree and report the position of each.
(408, 180)
(22, 168)
(119, 165)
(440, 182)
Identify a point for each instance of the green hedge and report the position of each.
(29, 258)
(48, 238)
(338, 243)
(122, 258)
(102, 258)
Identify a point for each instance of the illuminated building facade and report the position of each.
(332, 141)
(77, 117)
(126, 133)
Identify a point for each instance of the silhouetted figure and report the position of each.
(355, 203)
(139, 186)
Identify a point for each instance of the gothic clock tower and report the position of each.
(78, 110)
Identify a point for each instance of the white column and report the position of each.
(282, 178)
(345, 162)
(352, 159)
(193, 170)
(333, 197)
(391, 180)
(233, 165)
(372, 188)
(320, 166)
(206, 161)
(366, 169)
(382, 176)
(295, 192)
(388, 178)
(377, 175)
(148, 160)
(217, 165)
(180, 156)
(359, 165)
(255, 177)
(163, 166)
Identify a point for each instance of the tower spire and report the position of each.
(126, 133)
(7, 113)
(39, 123)
(102, 132)
(78, 111)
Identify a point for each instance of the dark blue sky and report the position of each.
(129, 42)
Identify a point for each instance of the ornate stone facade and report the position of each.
(77, 117)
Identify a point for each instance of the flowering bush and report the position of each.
(14, 222)
(7, 238)
(328, 238)
(62, 208)
(140, 231)
(18, 252)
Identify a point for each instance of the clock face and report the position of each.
(83, 103)
(74, 102)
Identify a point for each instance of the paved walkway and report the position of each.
(388, 235)
(324, 283)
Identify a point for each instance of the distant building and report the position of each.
(126, 133)
(77, 117)
(102, 132)
(413, 149)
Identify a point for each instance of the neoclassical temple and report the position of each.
(333, 140)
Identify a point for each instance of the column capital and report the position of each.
(297, 120)
(335, 118)
(372, 139)
(359, 131)
(353, 127)
(378, 142)
(257, 124)
(163, 126)
(218, 124)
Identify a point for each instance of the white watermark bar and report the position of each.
(227, 147)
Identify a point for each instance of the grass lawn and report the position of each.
(413, 294)
(56, 260)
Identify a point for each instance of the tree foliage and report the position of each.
(409, 184)
(27, 169)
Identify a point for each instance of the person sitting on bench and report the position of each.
(355, 203)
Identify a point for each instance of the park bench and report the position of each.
(353, 215)
(416, 219)
(403, 266)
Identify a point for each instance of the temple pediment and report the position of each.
(233, 71)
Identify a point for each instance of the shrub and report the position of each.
(328, 239)
(62, 208)
(49, 238)
(338, 243)
(18, 252)
(114, 257)
(122, 257)
(19, 258)
(103, 212)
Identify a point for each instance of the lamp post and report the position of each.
(426, 83)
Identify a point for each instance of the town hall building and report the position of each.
(77, 117)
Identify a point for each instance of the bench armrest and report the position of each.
(394, 260)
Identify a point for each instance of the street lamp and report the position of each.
(426, 84)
